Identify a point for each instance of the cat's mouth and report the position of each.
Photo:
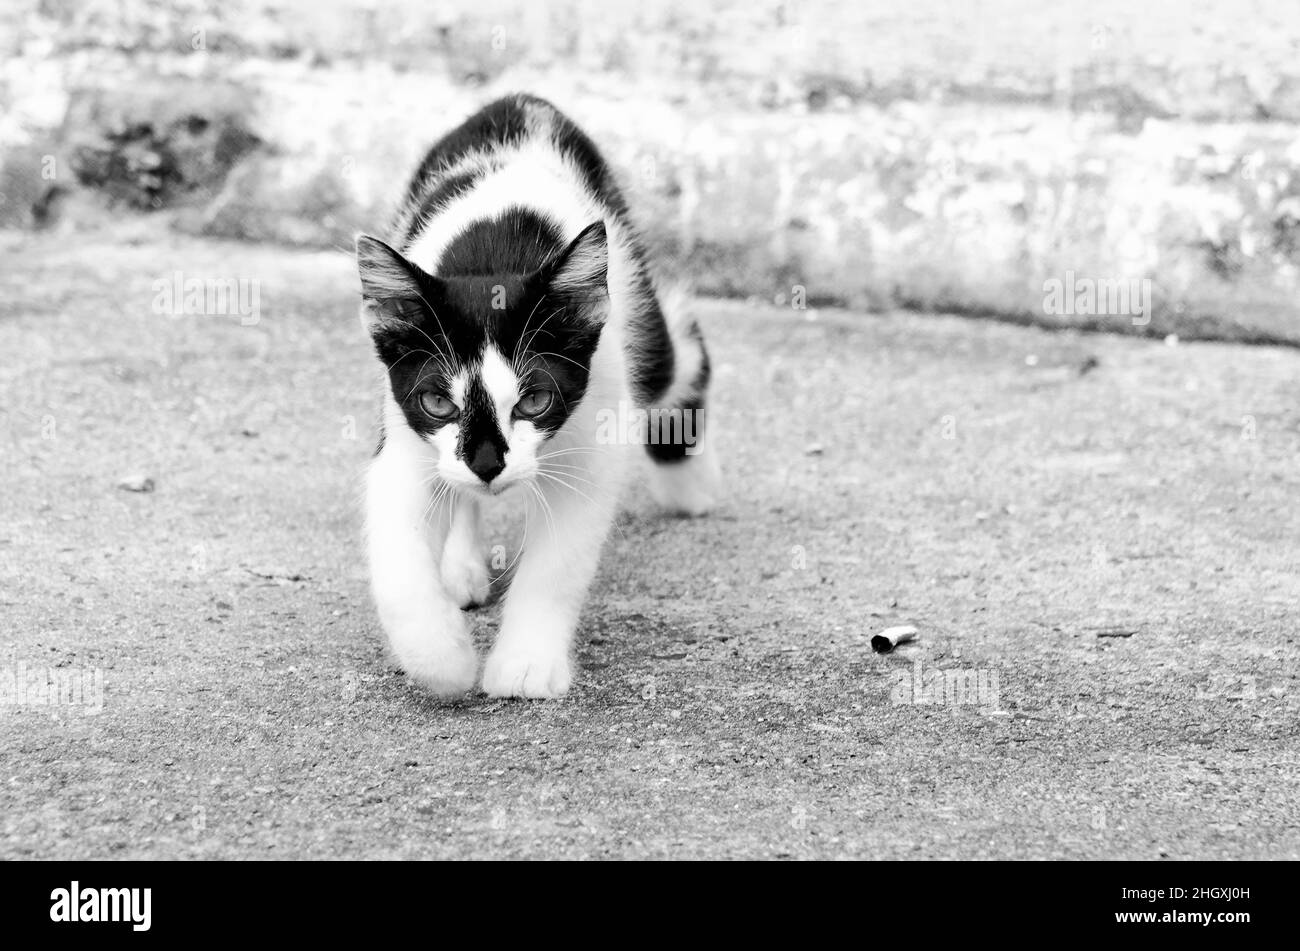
(473, 485)
(495, 488)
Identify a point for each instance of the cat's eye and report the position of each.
(534, 403)
(437, 406)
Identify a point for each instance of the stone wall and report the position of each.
(961, 157)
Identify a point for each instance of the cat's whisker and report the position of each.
(421, 379)
(576, 474)
(582, 471)
(561, 480)
(574, 449)
(389, 367)
(559, 391)
(444, 492)
(576, 491)
(420, 330)
(559, 356)
(521, 344)
(546, 508)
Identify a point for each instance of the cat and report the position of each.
(527, 351)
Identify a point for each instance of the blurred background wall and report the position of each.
(950, 156)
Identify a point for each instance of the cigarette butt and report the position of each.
(891, 637)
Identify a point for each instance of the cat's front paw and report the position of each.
(465, 578)
(519, 672)
(445, 667)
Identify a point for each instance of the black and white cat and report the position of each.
(526, 349)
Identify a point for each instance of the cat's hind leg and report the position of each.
(685, 477)
(690, 485)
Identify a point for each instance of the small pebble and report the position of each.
(136, 483)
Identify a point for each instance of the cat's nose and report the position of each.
(487, 462)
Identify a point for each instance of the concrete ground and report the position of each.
(1095, 536)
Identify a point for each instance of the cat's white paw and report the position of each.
(446, 667)
(465, 578)
(521, 672)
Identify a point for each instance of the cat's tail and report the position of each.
(685, 477)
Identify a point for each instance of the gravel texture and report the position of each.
(1095, 537)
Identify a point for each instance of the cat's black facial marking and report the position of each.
(481, 446)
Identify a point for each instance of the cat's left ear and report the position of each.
(579, 278)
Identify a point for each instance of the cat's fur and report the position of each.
(513, 271)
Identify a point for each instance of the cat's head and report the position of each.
(487, 368)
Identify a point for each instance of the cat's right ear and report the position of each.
(385, 274)
(389, 284)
